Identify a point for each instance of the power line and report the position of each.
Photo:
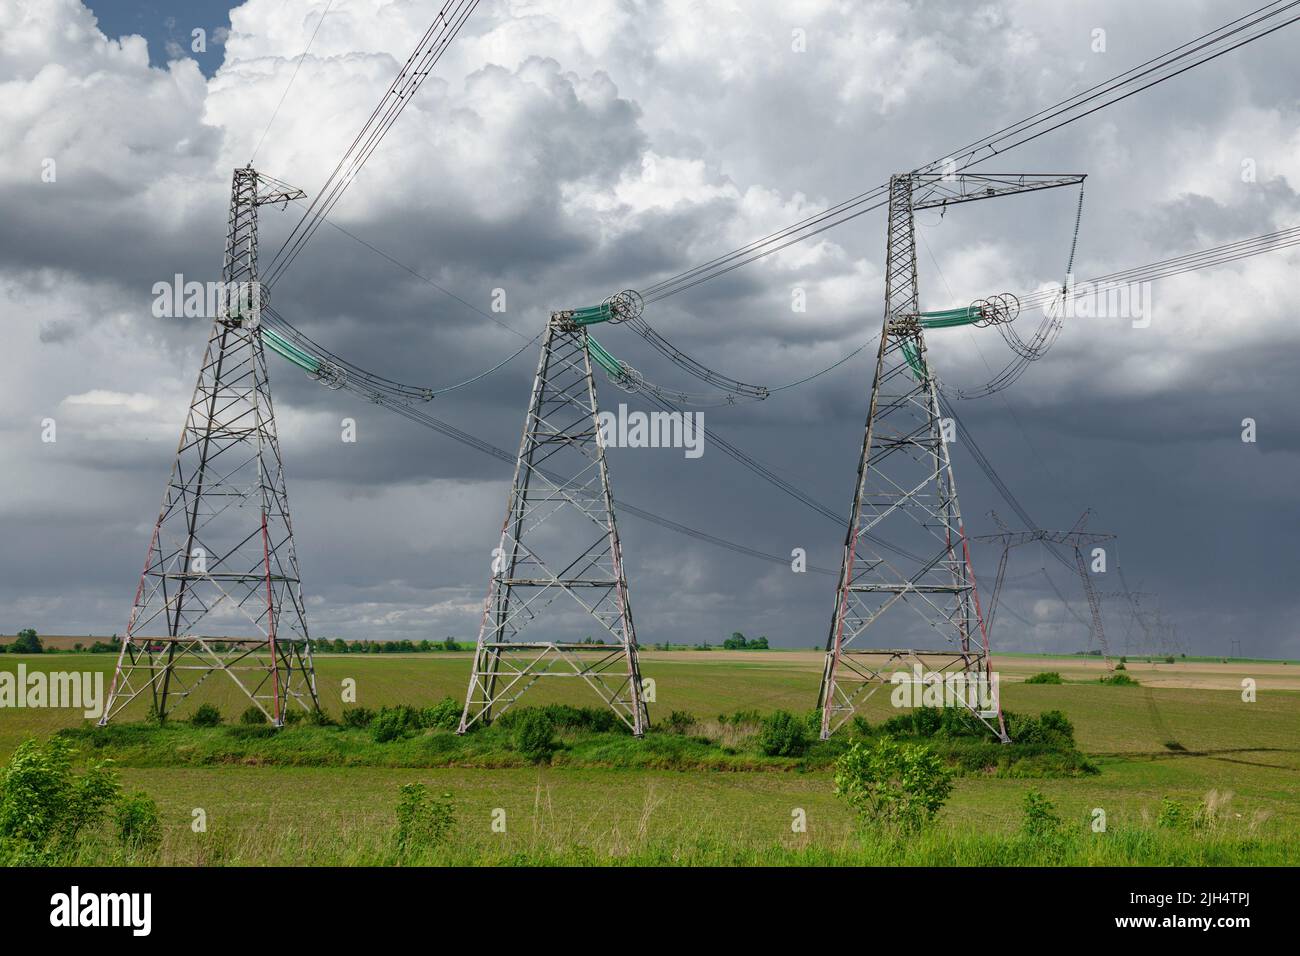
(1201, 50)
(420, 417)
(444, 28)
(294, 76)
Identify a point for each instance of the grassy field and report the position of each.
(1182, 734)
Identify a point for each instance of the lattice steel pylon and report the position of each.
(1077, 539)
(904, 493)
(559, 538)
(221, 589)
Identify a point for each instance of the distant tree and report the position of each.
(450, 644)
(27, 643)
(758, 643)
(734, 643)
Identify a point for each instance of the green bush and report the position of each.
(943, 722)
(27, 642)
(679, 722)
(357, 716)
(893, 785)
(253, 716)
(1051, 728)
(1118, 680)
(563, 717)
(783, 735)
(206, 715)
(139, 826)
(1040, 816)
(394, 723)
(444, 715)
(294, 715)
(1046, 677)
(45, 805)
(533, 730)
(422, 822)
(1173, 815)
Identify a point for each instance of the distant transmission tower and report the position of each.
(905, 492)
(1077, 539)
(220, 589)
(560, 538)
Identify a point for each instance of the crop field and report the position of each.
(1184, 734)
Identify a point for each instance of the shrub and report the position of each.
(1121, 666)
(888, 784)
(945, 722)
(533, 730)
(783, 735)
(357, 716)
(1173, 815)
(393, 723)
(598, 720)
(45, 805)
(253, 716)
(294, 715)
(27, 642)
(444, 715)
(679, 722)
(206, 715)
(318, 718)
(1118, 680)
(1040, 816)
(1046, 677)
(422, 822)
(861, 726)
(139, 826)
(1051, 728)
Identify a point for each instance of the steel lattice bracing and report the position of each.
(221, 590)
(1077, 539)
(905, 494)
(559, 543)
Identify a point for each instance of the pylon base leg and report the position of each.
(504, 671)
(856, 676)
(166, 671)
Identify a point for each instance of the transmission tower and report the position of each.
(560, 538)
(220, 590)
(1077, 539)
(905, 490)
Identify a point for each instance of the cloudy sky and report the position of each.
(561, 151)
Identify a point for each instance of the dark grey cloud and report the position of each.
(566, 154)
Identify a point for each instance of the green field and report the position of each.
(1182, 734)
